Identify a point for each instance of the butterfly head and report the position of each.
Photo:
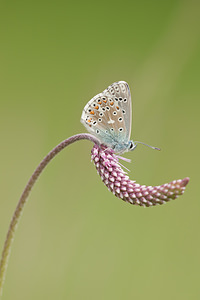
(121, 148)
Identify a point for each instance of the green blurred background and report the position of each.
(75, 239)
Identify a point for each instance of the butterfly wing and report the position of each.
(108, 116)
(120, 90)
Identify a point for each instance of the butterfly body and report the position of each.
(108, 116)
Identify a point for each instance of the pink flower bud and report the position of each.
(117, 181)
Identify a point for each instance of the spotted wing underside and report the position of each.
(108, 114)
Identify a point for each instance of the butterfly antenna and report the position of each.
(155, 148)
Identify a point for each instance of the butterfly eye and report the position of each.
(132, 146)
(114, 113)
(120, 129)
(120, 119)
(123, 111)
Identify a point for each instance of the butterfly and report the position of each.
(108, 116)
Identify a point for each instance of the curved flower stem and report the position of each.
(24, 196)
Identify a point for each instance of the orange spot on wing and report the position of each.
(112, 103)
(104, 101)
(88, 121)
(100, 103)
(117, 107)
(96, 107)
(92, 112)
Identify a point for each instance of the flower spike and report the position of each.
(117, 181)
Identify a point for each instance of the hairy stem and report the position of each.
(24, 196)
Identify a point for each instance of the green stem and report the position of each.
(18, 211)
